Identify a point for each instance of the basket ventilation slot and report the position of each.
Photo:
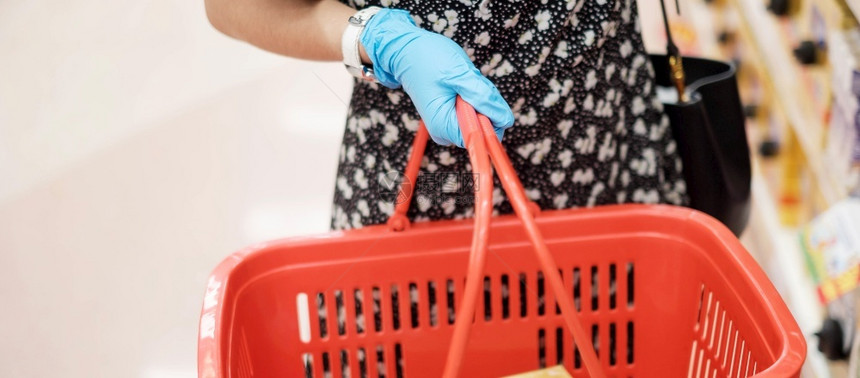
(594, 289)
(718, 348)
(416, 306)
(377, 365)
(564, 351)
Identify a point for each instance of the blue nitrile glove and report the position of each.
(433, 70)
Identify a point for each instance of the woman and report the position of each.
(566, 84)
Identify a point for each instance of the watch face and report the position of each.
(361, 17)
(358, 18)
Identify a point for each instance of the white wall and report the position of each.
(138, 147)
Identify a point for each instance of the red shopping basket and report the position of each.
(661, 291)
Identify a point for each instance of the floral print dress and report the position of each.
(589, 129)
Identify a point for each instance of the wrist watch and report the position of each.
(350, 40)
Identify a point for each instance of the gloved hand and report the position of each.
(433, 70)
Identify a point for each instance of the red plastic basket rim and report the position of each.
(788, 362)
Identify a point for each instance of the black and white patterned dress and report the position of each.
(589, 129)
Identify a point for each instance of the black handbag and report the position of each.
(708, 126)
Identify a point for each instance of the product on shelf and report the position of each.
(831, 245)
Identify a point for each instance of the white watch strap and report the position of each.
(349, 47)
(350, 40)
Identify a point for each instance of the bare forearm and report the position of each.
(305, 29)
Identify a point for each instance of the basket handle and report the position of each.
(483, 172)
(484, 147)
(481, 140)
(398, 221)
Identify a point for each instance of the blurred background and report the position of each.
(139, 147)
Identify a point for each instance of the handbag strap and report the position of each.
(676, 67)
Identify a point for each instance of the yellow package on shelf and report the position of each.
(792, 210)
(557, 371)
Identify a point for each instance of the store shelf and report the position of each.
(780, 71)
(780, 255)
(854, 5)
(776, 247)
